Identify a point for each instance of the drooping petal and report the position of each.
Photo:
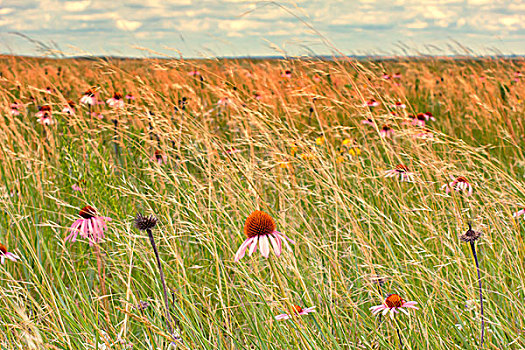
(275, 245)
(282, 317)
(385, 311)
(253, 247)
(264, 245)
(242, 249)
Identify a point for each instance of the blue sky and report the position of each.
(204, 28)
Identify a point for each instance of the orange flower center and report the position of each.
(45, 109)
(297, 308)
(258, 224)
(394, 300)
(3, 248)
(87, 212)
(401, 168)
(117, 96)
(461, 179)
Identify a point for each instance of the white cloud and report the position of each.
(417, 25)
(77, 6)
(124, 24)
(6, 11)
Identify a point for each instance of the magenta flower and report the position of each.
(5, 254)
(368, 121)
(76, 187)
(287, 74)
(232, 151)
(371, 103)
(159, 157)
(15, 109)
(298, 311)
(260, 229)
(386, 131)
(88, 98)
(89, 226)
(401, 172)
(518, 213)
(130, 97)
(194, 73)
(385, 76)
(116, 101)
(458, 184)
(393, 304)
(44, 116)
(399, 105)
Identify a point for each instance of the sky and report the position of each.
(216, 28)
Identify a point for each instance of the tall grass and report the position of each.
(352, 225)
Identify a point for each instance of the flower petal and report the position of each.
(264, 245)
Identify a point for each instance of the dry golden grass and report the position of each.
(351, 224)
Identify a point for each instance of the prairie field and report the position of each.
(369, 173)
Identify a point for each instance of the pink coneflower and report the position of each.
(76, 187)
(159, 157)
(287, 74)
(5, 254)
(70, 108)
(194, 73)
(393, 304)
(401, 171)
(116, 101)
(257, 96)
(371, 103)
(428, 116)
(316, 78)
(88, 98)
(232, 151)
(368, 121)
(90, 226)
(44, 116)
(419, 120)
(458, 184)
(386, 131)
(396, 75)
(15, 109)
(260, 229)
(385, 76)
(298, 311)
(130, 97)
(399, 105)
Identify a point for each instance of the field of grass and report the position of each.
(202, 151)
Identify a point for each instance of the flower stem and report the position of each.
(161, 273)
(400, 341)
(102, 279)
(472, 245)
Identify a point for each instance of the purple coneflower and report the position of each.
(399, 105)
(385, 76)
(232, 151)
(428, 116)
(287, 74)
(371, 103)
(5, 254)
(458, 184)
(260, 229)
(130, 97)
(401, 171)
(386, 131)
(90, 226)
(116, 101)
(44, 116)
(298, 311)
(393, 304)
(397, 75)
(159, 157)
(194, 73)
(15, 109)
(88, 98)
(76, 187)
(70, 108)
(368, 121)
(316, 78)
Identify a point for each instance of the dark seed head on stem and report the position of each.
(144, 223)
(470, 236)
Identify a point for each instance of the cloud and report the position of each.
(77, 6)
(124, 24)
(417, 25)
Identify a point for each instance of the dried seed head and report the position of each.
(470, 235)
(258, 223)
(87, 212)
(394, 300)
(145, 222)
